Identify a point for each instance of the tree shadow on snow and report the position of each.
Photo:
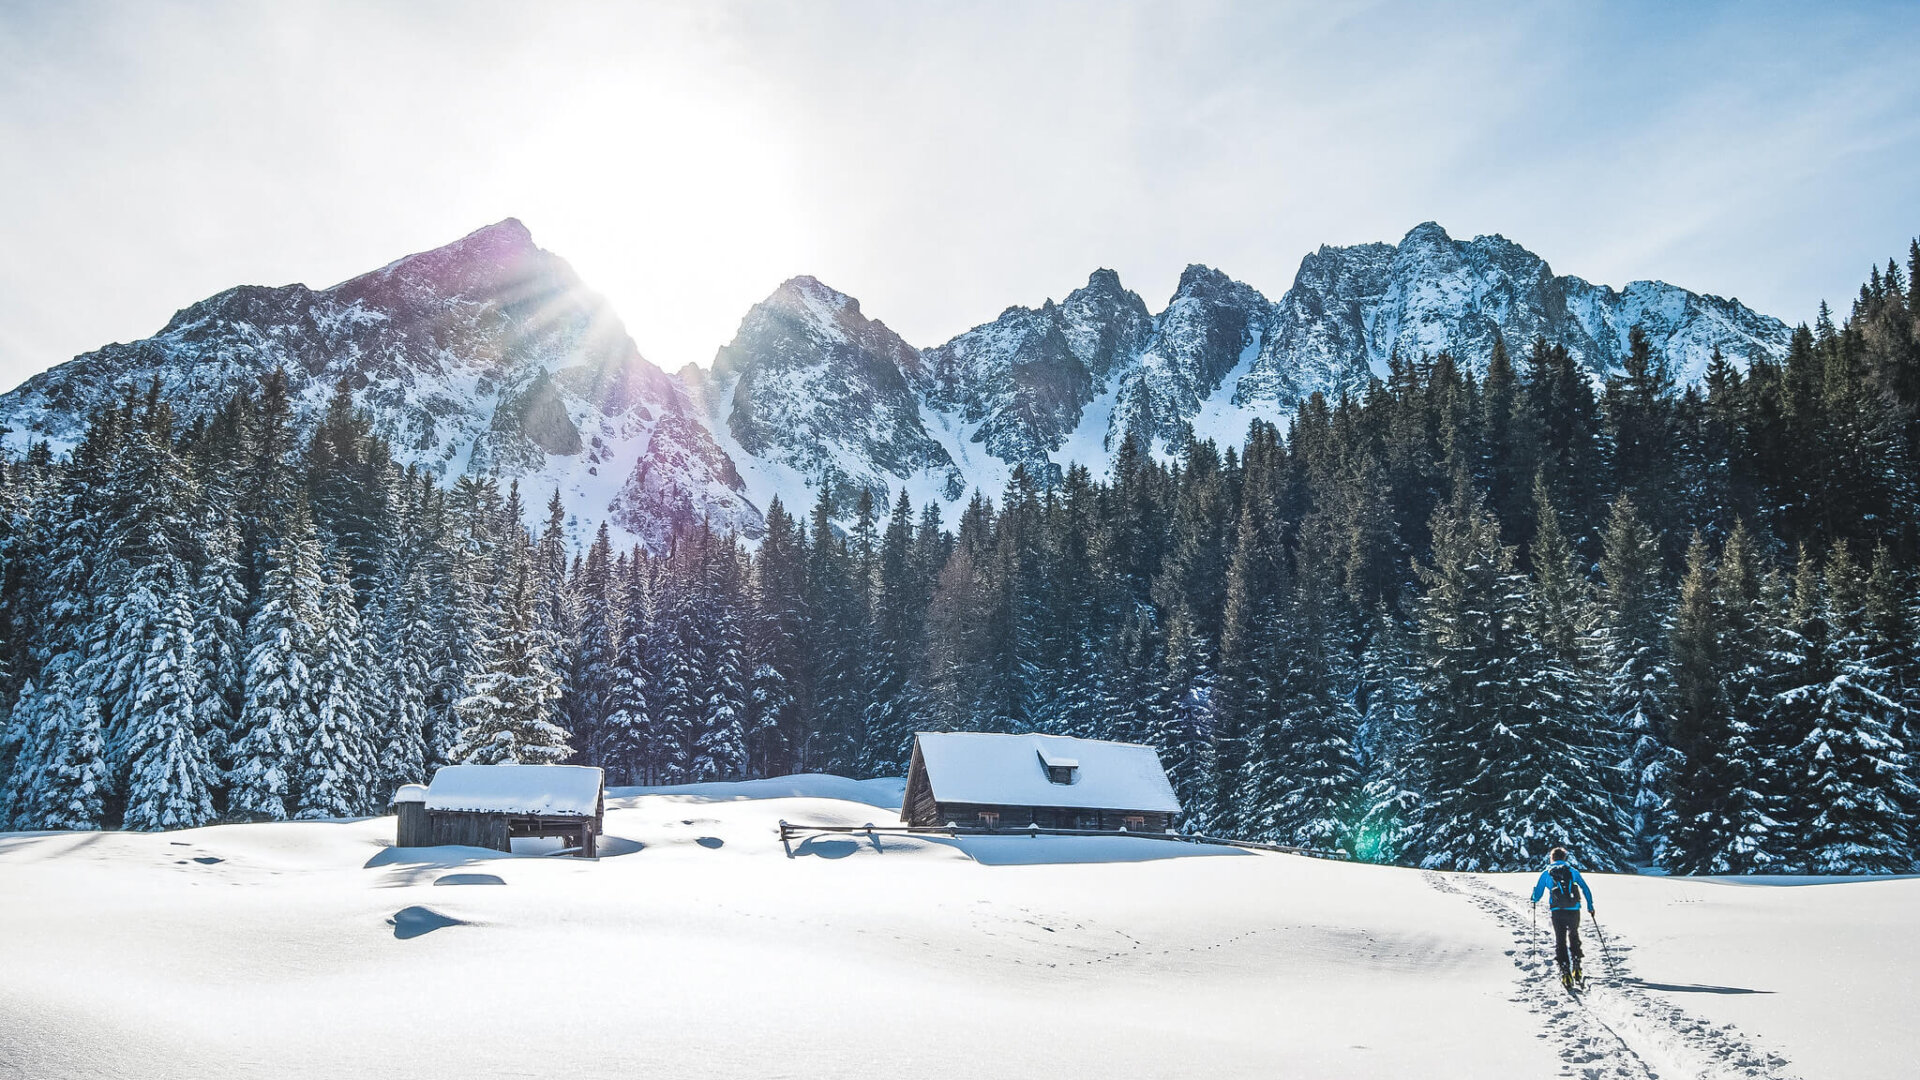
(1016, 849)
(1794, 881)
(825, 847)
(1692, 988)
(1066, 850)
(469, 879)
(425, 865)
(27, 841)
(412, 922)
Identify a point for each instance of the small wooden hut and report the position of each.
(994, 781)
(410, 807)
(489, 805)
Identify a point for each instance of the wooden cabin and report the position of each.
(994, 781)
(489, 805)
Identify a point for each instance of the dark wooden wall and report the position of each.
(917, 807)
(967, 815)
(470, 829)
(414, 830)
(497, 831)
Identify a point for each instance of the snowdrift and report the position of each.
(700, 948)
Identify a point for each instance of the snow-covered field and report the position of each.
(697, 947)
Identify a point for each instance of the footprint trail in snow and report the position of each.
(1613, 1030)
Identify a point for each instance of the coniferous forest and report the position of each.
(1452, 622)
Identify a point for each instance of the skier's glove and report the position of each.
(1589, 909)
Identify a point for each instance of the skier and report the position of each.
(1557, 881)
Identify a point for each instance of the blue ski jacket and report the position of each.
(1546, 882)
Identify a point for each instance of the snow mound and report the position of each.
(244, 950)
(559, 790)
(884, 793)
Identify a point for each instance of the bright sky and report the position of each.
(937, 160)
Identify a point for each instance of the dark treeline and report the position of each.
(1453, 622)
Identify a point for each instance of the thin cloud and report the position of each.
(938, 161)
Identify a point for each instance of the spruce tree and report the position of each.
(74, 782)
(1510, 769)
(338, 757)
(1856, 788)
(220, 644)
(507, 709)
(1386, 746)
(590, 678)
(778, 723)
(1745, 835)
(1309, 772)
(170, 779)
(282, 701)
(1639, 678)
(1700, 724)
(719, 750)
(629, 728)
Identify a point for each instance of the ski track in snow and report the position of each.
(1612, 1030)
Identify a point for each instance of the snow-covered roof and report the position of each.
(572, 790)
(411, 793)
(1011, 770)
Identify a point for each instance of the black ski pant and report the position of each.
(1566, 936)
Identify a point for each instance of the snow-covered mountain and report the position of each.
(1022, 383)
(818, 396)
(487, 355)
(490, 355)
(1351, 307)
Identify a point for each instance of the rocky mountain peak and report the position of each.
(1350, 308)
(484, 356)
(1427, 233)
(809, 294)
(813, 387)
(1202, 281)
(488, 355)
(500, 262)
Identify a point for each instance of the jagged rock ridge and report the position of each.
(489, 355)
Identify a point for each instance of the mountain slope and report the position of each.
(813, 389)
(1350, 308)
(487, 355)
(1022, 383)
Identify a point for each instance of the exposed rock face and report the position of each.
(1350, 308)
(489, 355)
(812, 385)
(1212, 326)
(1023, 381)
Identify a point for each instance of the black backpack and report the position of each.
(1561, 895)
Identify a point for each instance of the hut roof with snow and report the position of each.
(490, 805)
(1014, 781)
(544, 790)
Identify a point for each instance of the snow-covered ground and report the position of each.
(699, 948)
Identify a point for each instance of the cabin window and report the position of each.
(989, 818)
(1135, 822)
(1060, 770)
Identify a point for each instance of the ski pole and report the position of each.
(1606, 958)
